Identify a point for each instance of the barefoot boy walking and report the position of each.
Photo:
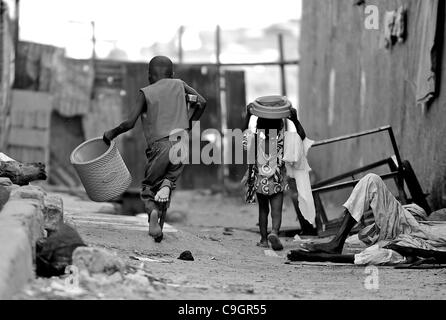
(163, 111)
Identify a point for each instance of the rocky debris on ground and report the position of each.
(4, 196)
(146, 259)
(5, 182)
(138, 278)
(82, 285)
(239, 288)
(22, 173)
(228, 231)
(54, 253)
(52, 213)
(6, 187)
(51, 288)
(186, 255)
(28, 192)
(97, 260)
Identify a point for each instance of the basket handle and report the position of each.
(110, 177)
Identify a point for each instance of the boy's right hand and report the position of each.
(107, 137)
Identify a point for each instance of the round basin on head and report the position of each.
(271, 107)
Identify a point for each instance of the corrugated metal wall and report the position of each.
(349, 82)
(29, 137)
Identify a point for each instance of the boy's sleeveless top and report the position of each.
(166, 109)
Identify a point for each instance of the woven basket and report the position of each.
(101, 169)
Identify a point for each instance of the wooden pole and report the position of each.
(221, 173)
(282, 65)
(93, 55)
(17, 25)
(93, 40)
(180, 44)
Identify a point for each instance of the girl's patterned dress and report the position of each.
(268, 175)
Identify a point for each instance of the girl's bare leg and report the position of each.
(276, 216)
(263, 203)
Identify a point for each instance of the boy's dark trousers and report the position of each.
(159, 172)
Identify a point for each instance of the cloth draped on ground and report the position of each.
(295, 158)
(394, 223)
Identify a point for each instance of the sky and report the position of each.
(132, 24)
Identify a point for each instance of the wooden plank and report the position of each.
(235, 108)
(27, 154)
(31, 109)
(31, 100)
(30, 119)
(29, 137)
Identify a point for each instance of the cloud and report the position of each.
(137, 23)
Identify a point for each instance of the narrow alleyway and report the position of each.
(227, 265)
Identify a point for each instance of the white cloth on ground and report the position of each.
(376, 255)
(5, 158)
(295, 158)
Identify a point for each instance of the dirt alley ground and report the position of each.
(227, 265)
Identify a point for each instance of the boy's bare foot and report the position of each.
(163, 194)
(275, 242)
(154, 227)
(263, 243)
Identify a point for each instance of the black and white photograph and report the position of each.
(222, 155)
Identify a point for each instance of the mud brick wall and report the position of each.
(349, 82)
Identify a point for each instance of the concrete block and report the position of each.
(16, 265)
(52, 213)
(28, 213)
(28, 192)
(4, 195)
(5, 182)
(70, 221)
(35, 138)
(97, 260)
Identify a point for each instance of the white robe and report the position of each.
(295, 158)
